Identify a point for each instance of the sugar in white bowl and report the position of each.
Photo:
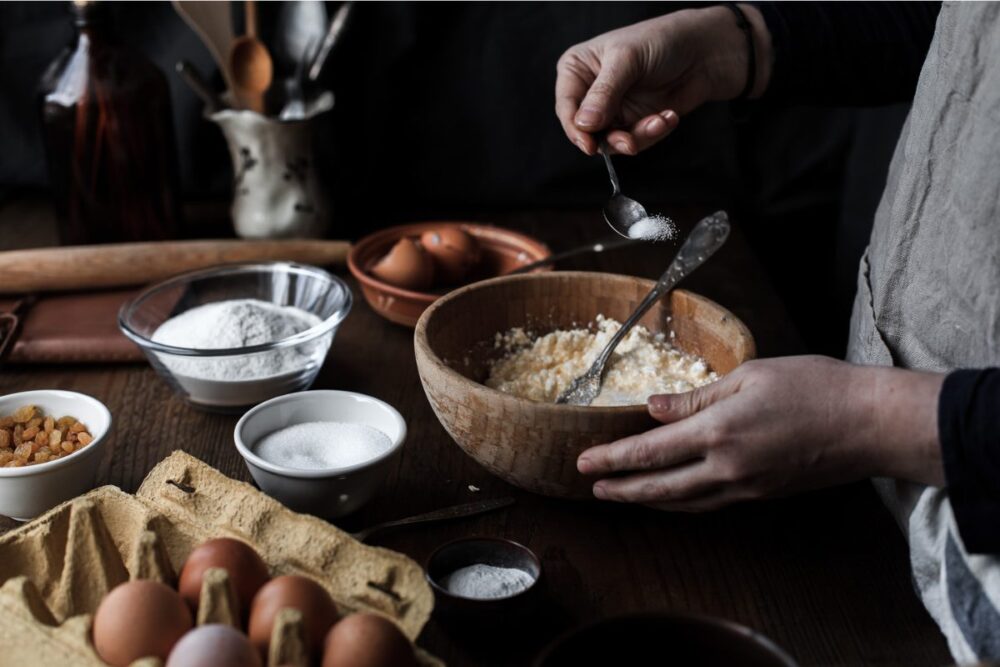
(323, 445)
(301, 426)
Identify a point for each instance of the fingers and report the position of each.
(679, 484)
(644, 133)
(659, 448)
(670, 408)
(603, 100)
(573, 78)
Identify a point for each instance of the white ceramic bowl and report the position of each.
(330, 492)
(31, 490)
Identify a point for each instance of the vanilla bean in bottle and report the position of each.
(109, 139)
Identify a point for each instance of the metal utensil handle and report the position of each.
(613, 244)
(332, 35)
(455, 512)
(706, 237)
(612, 174)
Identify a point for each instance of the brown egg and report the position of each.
(407, 265)
(247, 572)
(292, 592)
(139, 619)
(455, 253)
(214, 645)
(367, 640)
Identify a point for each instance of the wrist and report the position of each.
(903, 413)
(724, 54)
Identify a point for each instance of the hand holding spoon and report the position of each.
(627, 216)
(706, 237)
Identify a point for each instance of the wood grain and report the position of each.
(824, 574)
(535, 445)
(126, 264)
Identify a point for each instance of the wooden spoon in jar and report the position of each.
(250, 64)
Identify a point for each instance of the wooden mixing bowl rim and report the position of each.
(477, 229)
(422, 345)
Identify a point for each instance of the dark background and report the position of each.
(446, 110)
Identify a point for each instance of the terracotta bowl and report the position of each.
(502, 250)
(531, 444)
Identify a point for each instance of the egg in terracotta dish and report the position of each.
(455, 253)
(407, 265)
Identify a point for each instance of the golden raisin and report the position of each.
(41, 439)
(85, 438)
(5, 438)
(50, 424)
(77, 427)
(55, 437)
(67, 447)
(23, 452)
(7, 422)
(24, 413)
(29, 433)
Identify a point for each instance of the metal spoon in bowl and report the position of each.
(620, 211)
(706, 237)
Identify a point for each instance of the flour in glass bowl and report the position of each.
(239, 379)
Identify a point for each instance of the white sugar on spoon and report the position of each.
(653, 228)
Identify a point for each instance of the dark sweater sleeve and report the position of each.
(847, 53)
(969, 429)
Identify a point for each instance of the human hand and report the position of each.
(637, 81)
(774, 427)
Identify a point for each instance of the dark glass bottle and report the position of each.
(109, 138)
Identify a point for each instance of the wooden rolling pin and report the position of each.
(127, 264)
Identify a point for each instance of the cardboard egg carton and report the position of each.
(58, 567)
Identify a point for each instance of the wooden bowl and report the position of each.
(531, 444)
(502, 251)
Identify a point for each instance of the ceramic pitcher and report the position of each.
(276, 193)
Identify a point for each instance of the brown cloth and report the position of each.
(72, 328)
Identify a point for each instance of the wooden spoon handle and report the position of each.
(124, 264)
(251, 19)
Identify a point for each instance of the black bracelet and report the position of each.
(744, 24)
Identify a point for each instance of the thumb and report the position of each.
(603, 101)
(669, 408)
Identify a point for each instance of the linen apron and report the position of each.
(929, 293)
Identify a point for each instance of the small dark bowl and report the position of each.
(491, 551)
(681, 639)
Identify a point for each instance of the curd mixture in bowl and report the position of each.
(643, 364)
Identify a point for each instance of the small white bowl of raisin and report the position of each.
(51, 443)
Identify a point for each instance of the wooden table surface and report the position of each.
(825, 575)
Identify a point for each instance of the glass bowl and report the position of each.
(231, 379)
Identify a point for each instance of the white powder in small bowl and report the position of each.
(323, 445)
(487, 582)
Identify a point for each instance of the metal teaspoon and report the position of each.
(620, 211)
(706, 237)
